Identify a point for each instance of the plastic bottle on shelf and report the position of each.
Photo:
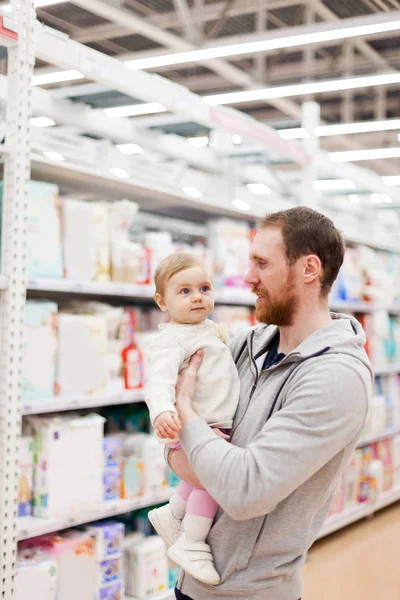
(132, 361)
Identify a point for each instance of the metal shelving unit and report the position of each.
(29, 527)
(63, 403)
(61, 50)
(358, 512)
(17, 37)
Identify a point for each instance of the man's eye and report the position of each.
(205, 288)
(261, 265)
(185, 291)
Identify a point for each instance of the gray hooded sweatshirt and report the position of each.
(295, 428)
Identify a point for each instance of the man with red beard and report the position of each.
(305, 389)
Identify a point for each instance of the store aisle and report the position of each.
(358, 563)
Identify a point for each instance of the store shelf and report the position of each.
(3, 282)
(226, 295)
(29, 527)
(387, 369)
(168, 595)
(358, 512)
(362, 307)
(378, 438)
(95, 288)
(60, 403)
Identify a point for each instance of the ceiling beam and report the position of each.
(186, 18)
(174, 42)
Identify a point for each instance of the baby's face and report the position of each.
(189, 296)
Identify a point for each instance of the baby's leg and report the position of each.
(179, 499)
(200, 512)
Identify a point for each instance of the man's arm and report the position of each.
(314, 425)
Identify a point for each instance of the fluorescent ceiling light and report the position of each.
(133, 110)
(36, 3)
(320, 33)
(300, 89)
(380, 198)
(370, 154)
(258, 188)
(129, 148)
(354, 198)
(56, 77)
(199, 142)
(241, 204)
(391, 179)
(298, 133)
(117, 172)
(333, 184)
(42, 122)
(192, 192)
(236, 139)
(56, 156)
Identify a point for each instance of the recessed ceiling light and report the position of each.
(42, 122)
(354, 198)
(369, 154)
(134, 110)
(117, 172)
(333, 184)
(241, 204)
(56, 77)
(199, 142)
(236, 139)
(129, 148)
(258, 188)
(56, 156)
(192, 192)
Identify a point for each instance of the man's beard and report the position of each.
(281, 311)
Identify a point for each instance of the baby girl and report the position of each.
(184, 290)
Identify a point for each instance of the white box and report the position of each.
(86, 240)
(69, 469)
(25, 484)
(40, 348)
(146, 568)
(36, 578)
(82, 356)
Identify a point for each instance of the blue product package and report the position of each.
(110, 570)
(112, 481)
(112, 448)
(111, 592)
(109, 537)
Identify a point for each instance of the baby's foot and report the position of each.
(166, 525)
(194, 558)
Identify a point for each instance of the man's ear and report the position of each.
(160, 302)
(312, 268)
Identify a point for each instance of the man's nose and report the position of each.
(251, 278)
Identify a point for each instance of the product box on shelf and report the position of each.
(86, 240)
(74, 552)
(146, 567)
(40, 350)
(109, 539)
(110, 571)
(69, 466)
(25, 483)
(82, 354)
(229, 242)
(112, 479)
(35, 577)
(113, 591)
(43, 242)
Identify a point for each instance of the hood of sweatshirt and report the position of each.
(344, 335)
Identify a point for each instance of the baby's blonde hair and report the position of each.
(173, 264)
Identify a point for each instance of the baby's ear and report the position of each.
(160, 302)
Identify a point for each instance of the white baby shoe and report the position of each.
(166, 525)
(194, 558)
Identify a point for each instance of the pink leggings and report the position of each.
(199, 502)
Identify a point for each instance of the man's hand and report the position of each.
(186, 387)
(167, 425)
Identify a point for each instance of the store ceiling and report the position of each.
(200, 21)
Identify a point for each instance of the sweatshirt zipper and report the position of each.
(253, 389)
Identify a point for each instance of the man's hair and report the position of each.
(306, 231)
(173, 264)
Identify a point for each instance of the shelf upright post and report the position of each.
(13, 258)
(310, 112)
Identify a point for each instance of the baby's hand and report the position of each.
(167, 425)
